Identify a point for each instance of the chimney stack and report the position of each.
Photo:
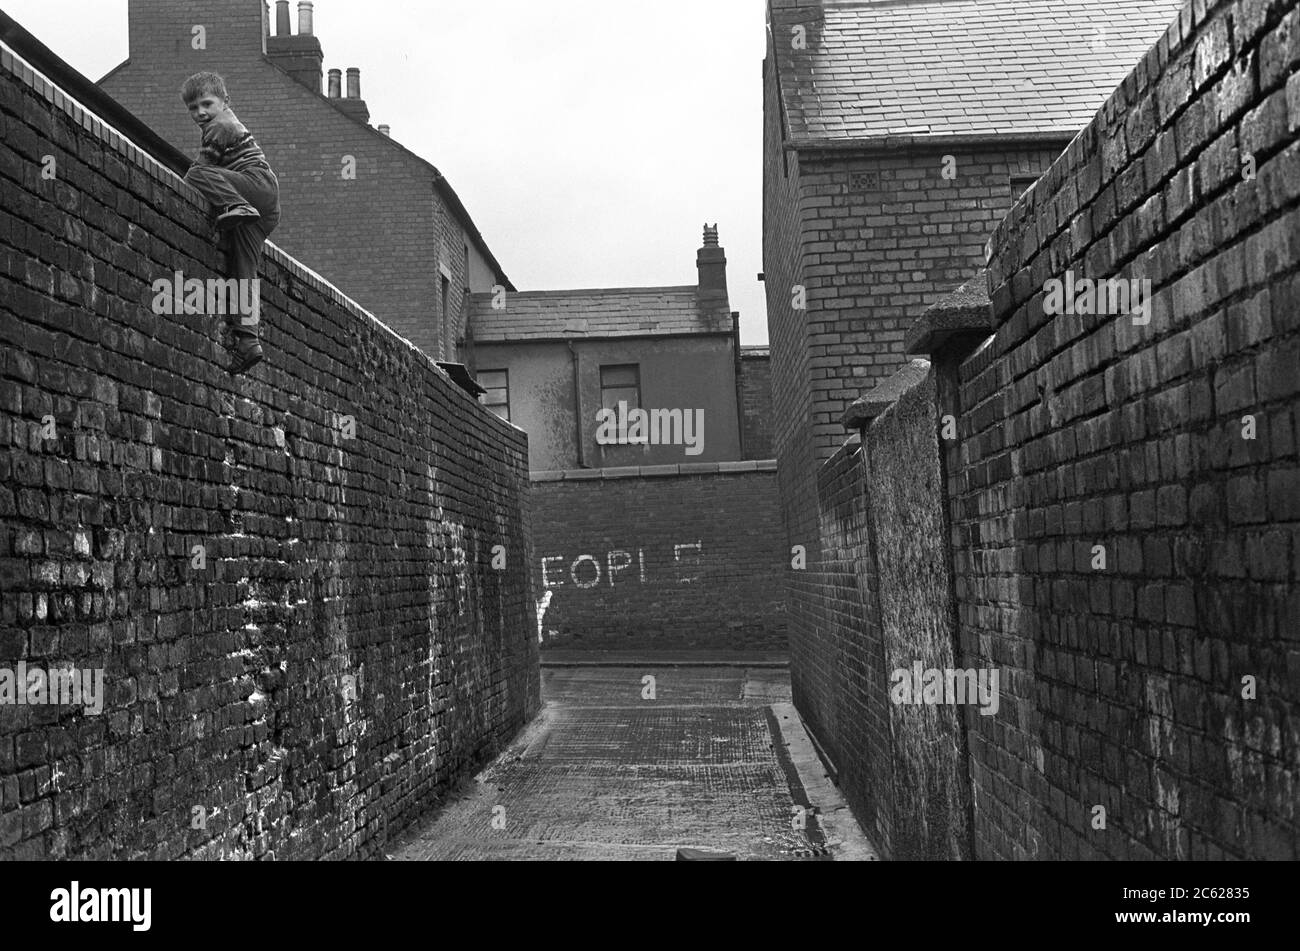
(300, 56)
(385, 130)
(353, 104)
(711, 261)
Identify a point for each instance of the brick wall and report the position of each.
(791, 393)
(838, 659)
(380, 235)
(302, 637)
(756, 403)
(886, 603)
(1083, 431)
(882, 238)
(1081, 436)
(686, 556)
(872, 239)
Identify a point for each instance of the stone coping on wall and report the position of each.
(649, 472)
(883, 395)
(12, 61)
(966, 310)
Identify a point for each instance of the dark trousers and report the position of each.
(243, 243)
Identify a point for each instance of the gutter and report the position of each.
(448, 194)
(923, 140)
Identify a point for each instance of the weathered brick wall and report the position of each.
(697, 557)
(842, 707)
(930, 782)
(886, 595)
(1123, 683)
(346, 650)
(1082, 436)
(756, 404)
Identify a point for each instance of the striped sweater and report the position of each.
(227, 143)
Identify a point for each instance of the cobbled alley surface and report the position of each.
(717, 761)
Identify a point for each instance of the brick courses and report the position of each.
(1085, 431)
(756, 402)
(723, 595)
(326, 558)
(1121, 685)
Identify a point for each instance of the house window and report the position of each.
(497, 397)
(620, 382)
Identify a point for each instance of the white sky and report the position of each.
(589, 139)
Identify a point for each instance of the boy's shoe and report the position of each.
(247, 356)
(236, 215)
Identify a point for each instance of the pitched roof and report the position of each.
(601, 312)
(877, 68)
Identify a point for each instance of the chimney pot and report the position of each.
(385, 129)
(305, 25)
(354, 83)
(282, 26)
(710, 236)
(336, 83)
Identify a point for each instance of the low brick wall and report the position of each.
(302, 636)
(674, 557)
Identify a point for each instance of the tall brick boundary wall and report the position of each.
(885, 587)
(302, 637)
(679, 557)
(1170, 447)
(1125, 684)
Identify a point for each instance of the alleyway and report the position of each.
(717, 761)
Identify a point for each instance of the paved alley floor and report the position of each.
(714, 758)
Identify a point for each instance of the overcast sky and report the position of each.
(589, 139)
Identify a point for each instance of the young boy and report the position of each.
(232, 173)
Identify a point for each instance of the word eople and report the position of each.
(585, 571)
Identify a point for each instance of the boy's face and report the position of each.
(206, 107)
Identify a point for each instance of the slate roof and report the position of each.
(876, 68)
(601, 312)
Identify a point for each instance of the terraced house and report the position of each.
(381, 221)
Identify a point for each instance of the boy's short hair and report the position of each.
(200, 83)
